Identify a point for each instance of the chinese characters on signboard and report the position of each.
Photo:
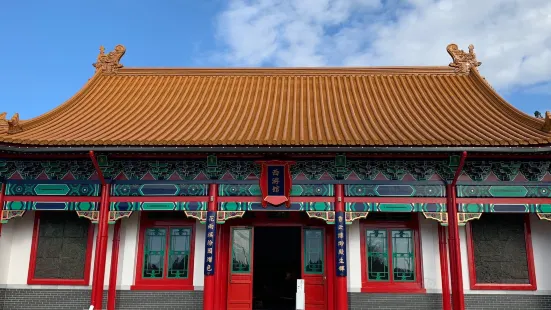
(209, 243)
(340, 231)
(275, 182)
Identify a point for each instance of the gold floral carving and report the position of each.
(463, 62)
(93, 216)
(547, 124)
(442, 217)
(6, 215)
(110, 63)
(545, 216)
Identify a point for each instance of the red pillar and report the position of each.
(442, 247)
(112, 292)
(210, 250)
(101, 242)
(341, 287)
(455, 251)
(2, 191)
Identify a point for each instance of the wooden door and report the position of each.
(240, 286)
(313, 268)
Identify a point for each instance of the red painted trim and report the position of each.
(31, 280)
(444, 268)
(163, 284)
(503, 286)
(209, 288)
(505, 200)
(391, 286)
(53, 198)
(43, 156)
(112, 292)
(259, 199)
(160, 199)
(396, 199)
(103, 233)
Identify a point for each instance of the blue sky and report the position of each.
(48, 47)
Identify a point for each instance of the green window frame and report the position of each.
(241, 240)
(167, 252)
(314, 260)
(390, 254)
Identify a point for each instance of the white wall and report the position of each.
(432, 278)
(354, 257)
(199, 258)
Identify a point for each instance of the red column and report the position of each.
(112, 292)
(101, 241)
(341, 287)
(442, 247)
(454, 249)
(210, 250)
(2, 191)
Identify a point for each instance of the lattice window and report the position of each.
(379, 249)
(61, 251)
(499, 247)
(313, 251)
(167, 252)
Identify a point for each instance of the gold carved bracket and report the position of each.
(114, 216)
(200, 215)
(350, 217)
(110, 63)
(463, 62)
(223, 216)
(442, 217)
(93, 216)
(6, 215)
(544, 216)
(327, 216)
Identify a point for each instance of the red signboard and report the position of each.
(276, 182)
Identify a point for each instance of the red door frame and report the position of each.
(261, 220)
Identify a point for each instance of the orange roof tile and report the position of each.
(380, 106)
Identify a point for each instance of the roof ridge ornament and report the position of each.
(109, 63)
(463, 62)
(547, 124)
(13, 124)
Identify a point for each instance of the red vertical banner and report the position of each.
(276, 182)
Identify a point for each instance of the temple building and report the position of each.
(185, 188)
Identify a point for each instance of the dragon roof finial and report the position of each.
(109, 63)
(463, 62)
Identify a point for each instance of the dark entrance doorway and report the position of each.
(277, 266)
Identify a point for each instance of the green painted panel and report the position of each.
(508, 191)
(51, 189)
(471, 207)
(164, 206)
(545, 208)
(395, 207)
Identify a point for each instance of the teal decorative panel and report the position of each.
(68, 189)
(394, 207)
(50, 206)
(159, 189)
(533, 191)
(158, 206)
(361, 190)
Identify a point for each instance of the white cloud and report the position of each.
(511, 38)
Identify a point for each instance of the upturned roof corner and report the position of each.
(14, 126)
(547, 124)
(463, 62)
(109, 63)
